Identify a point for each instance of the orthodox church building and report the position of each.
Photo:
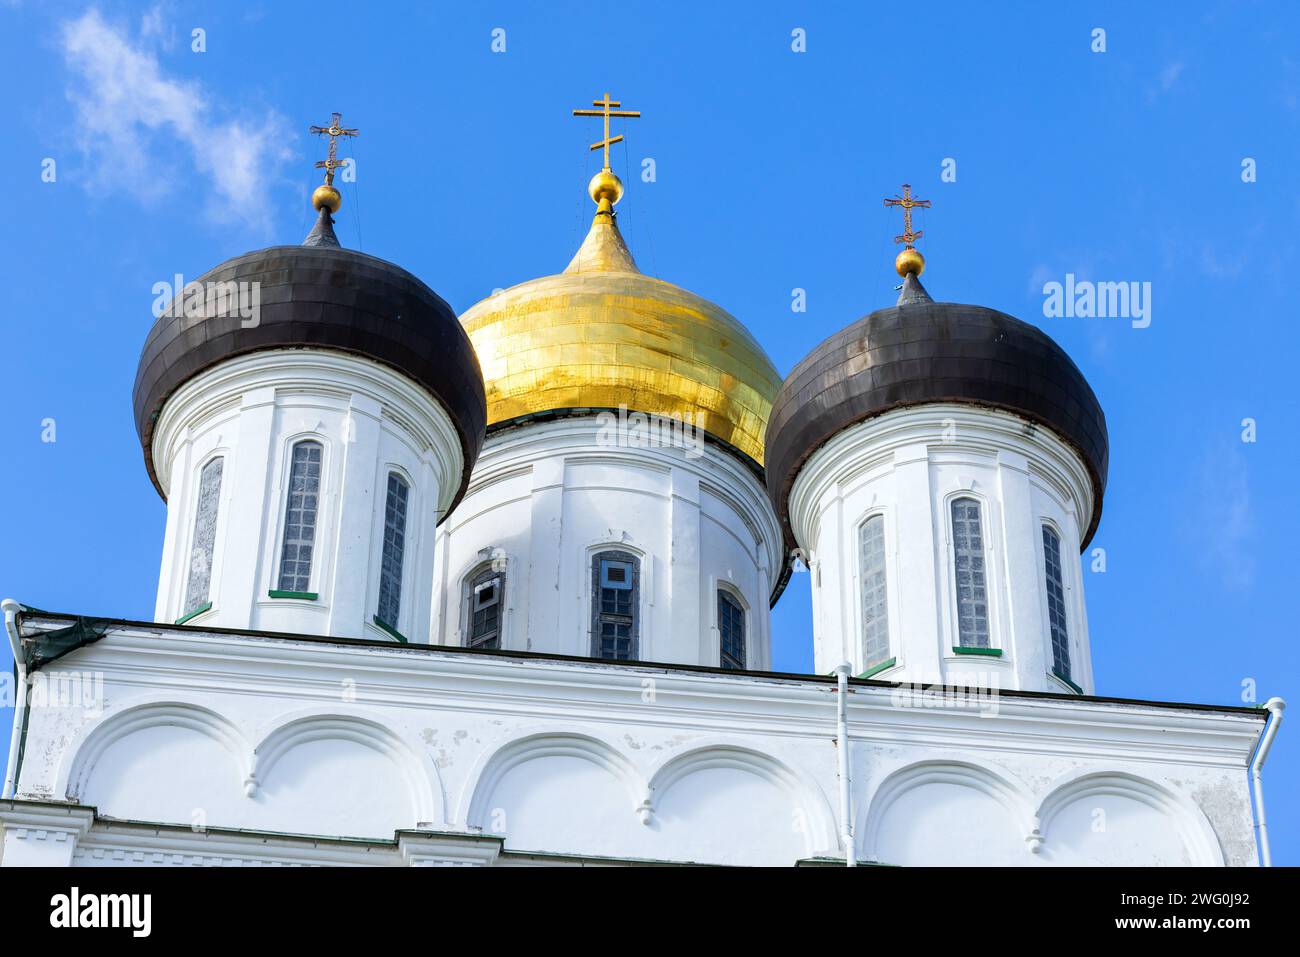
(495, 590)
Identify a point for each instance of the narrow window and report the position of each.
(731, 631)
(485, 594)
(1056, 603)
(972, 584)
(390, 564)
(199, 583)
(875, 604)
(614, 607)
(300, 517)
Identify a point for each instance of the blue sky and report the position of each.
(771, 165)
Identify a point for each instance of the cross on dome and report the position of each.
(909, 261)
(333, 131)
(326, 196)
(606, 111)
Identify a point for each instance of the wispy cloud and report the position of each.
(1289, 88)
(1224, 478)
(1169, 76)
(1165, 81)
(136, 123)
(154, 25)
(1217, 266)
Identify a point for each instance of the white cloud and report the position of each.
(1165, 81)
(1226, 545)
(1223, 267)
(155, 26)
(139, 128)
(1040, 275)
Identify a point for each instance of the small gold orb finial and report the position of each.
(909, 261)
(327, 196)
(605, 188)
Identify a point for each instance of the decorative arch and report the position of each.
(733, 590)
(1008, 792)
(421, 776)
(625, 543)
(482, 785)
(404, 473)
(84, 755)
(804, 793)
(1190, 823)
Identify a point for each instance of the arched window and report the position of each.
(731, 631)
(972, 579)
(875, 603)
(1056, 616)
(615, 589)
(300, 518)
(486, 590)
(199, 581)
(390, 562)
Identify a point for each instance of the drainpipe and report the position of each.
(1275, 708)
(842, 745)
(11, 609)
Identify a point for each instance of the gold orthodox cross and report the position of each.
(908, 203)
(607, 111)
(333, 131)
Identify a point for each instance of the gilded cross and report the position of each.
(607, 110)
(908, 204)
(333, 131)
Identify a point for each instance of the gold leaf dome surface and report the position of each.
(601, 335)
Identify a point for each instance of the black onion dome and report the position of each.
(920, 352)
(321, 296)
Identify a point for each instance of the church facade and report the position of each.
(495, 590)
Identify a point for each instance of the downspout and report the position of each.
(1275, 708)
(842, 746)
(11, 609)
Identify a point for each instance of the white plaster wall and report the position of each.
(203, 779)
(370, 421)
(732, 815)
(908, 466)
(930, 825)
(1113, 828)
(546, 497)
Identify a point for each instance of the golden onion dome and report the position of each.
(602, 335)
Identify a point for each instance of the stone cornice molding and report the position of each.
(319, 373)
(850, 455)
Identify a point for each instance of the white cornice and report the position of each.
(511, 452)
(982, 432)
(161, 662)
(312, 374)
